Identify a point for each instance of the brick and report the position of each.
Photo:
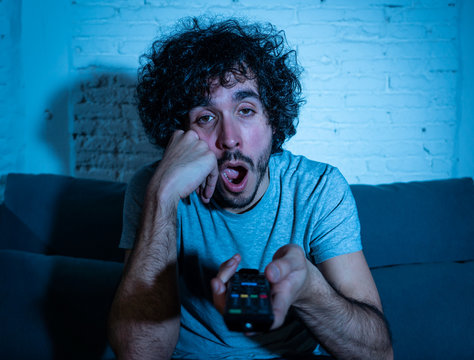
(442, 32)
(318, 68)
(267, 3)
(436, 3)
(422, 49)
(95, 110)
(84, 13)
(442, 166)
(401, 66)
(438, 148)
(370, 3)
(134, 48)
(115, 29)
(406, 31)
(424, 116)
(363, 32)
(376, 165)
(87, 46)
(117, 3)
(388, 101)
(325, 100)
(409, 165)
(164, 17)
(122, 62)
(346, 50)
(349, 83)
(438, 131)
(279, 18)
(312, 15)
(347, 116)
(445, 15)
(423, 82)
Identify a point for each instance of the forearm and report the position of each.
(144, 320)
(347, 328)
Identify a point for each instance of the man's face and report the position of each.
(236, 129)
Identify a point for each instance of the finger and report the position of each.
(200, 191)
(218, 294)
(280, 306)
(278, 270)
(228, 268)
(218, 284)
(210, 186)
(287, 259)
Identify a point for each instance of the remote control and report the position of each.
(248, 305)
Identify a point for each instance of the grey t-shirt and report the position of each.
(307, 203)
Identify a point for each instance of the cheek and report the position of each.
(261, 137)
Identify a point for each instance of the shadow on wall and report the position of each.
(54, 131)
(104, 138)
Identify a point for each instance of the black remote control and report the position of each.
(248, 305)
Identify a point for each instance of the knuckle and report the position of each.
(177, 133)
(191, 134)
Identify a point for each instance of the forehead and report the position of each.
(233, 89)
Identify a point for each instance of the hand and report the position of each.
(288, 275)
(218, 284)
(187, 165)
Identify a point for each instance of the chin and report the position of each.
(233, 201)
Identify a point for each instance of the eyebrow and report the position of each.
(243, 94)
(238, 96)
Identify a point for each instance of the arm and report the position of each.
(145, 314)
(337, 300)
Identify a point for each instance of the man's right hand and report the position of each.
(187, 165)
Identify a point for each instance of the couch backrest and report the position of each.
(62, 215)
(416, 222)
(427, 221)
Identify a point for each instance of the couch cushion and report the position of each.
(15, 235)
(64, 215)
(417, 222)
(429, 308)
(54, 307)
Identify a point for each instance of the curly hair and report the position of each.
(176, 73)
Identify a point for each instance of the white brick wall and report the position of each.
(9, 77)
(381, 81)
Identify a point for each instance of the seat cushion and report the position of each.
(429, 308)
(54, 307)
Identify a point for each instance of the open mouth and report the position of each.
(234, 178)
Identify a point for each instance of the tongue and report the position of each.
(235, 174)
(231, 174)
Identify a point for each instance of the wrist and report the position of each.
(160, 196)
(314, 289)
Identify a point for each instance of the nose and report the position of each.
(229, 136)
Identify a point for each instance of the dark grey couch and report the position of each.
(60, 265)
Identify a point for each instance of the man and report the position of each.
(223, 98)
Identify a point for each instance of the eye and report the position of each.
(204, 119)
(246, 111)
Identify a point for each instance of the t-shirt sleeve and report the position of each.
(132, 210)
(336, 227)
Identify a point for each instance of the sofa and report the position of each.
(60, 264)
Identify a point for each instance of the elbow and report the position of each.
(133, 339)
(116, 332)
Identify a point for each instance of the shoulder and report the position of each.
(298, 170)
(137, 185)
